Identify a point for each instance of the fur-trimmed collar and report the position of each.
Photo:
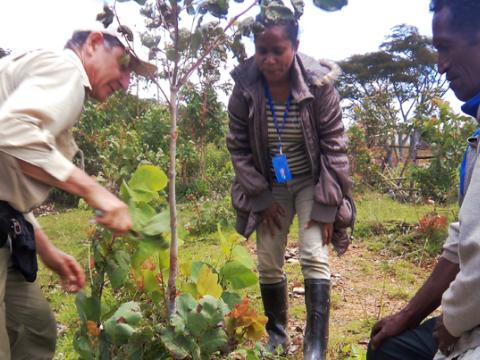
(306, 71)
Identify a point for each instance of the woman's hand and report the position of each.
(272, 217)
(325, 228)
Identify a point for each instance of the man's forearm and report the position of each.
(79, 183)
(429, 296)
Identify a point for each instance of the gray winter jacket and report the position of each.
(321, 120)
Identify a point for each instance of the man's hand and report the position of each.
(446, 341)
(387, 327)
(114, 213)
(325, 228)
(70, 272)
(272, 217)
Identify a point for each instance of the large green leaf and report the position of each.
(212, 340)
(231, 299)
(238, 275)
(207, 314)
(148, 178)
(88, 307)
(184, 304)
(158, 224)
(178, 344)
(242, 255)
(330, 5)
(81, 344)
(123, 322)
(141, 214)
(136, 195)
(117, 268)
(207, 283)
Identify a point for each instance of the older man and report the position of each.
(42, 94)
(455, 281)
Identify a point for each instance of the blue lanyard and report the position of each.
(463, 167)
(268, 95)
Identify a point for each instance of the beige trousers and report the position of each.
(296, 197)
(27, 324)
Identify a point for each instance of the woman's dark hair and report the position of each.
(465, 14)
(290, 24)
(79, 37)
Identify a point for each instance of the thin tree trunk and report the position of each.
(172, 200)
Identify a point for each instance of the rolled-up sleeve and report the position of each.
(46, 101)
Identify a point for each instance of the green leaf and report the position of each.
(196, 267)
(158, 224)
(231, 299)
(81, 344)
(179, 345)
(123, 323)
(213, 340)
(141, 214)
(238, 275)
(298, 6)
(225, 243)
(190, 10)
(88, 307)
(148, 178)
(330, 5)
(242, 255)
(150, 282)
(207, 314)
(184, 304)
(207, 283)
(117, 268)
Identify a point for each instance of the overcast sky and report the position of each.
(358, 28)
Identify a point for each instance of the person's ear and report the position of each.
(297, 43)
(95, 39)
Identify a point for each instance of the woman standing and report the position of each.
(287, 144)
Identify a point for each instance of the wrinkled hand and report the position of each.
(446, 341)
(272, 217)
(112, 212)
(325, 228)
(387, 327)
(69, 270)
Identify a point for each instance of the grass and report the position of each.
(375, 277)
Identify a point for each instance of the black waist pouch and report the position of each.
(24, 255)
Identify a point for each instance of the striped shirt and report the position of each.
(293, 141)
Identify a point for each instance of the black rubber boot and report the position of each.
(275, 302)
(317, 301)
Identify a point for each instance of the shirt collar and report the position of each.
(70, 54)
(471, 106)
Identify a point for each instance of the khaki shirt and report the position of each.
(42, 94)
(461, 301)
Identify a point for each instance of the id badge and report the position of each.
(280, 166)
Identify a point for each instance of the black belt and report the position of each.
(4, 222)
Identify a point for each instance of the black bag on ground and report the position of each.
(24, 254)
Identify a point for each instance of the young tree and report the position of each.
(182, 36)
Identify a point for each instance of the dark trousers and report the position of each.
(415, 344)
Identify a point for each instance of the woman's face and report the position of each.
(274, 53)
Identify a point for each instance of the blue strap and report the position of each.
(463, 167)
(268, 95)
